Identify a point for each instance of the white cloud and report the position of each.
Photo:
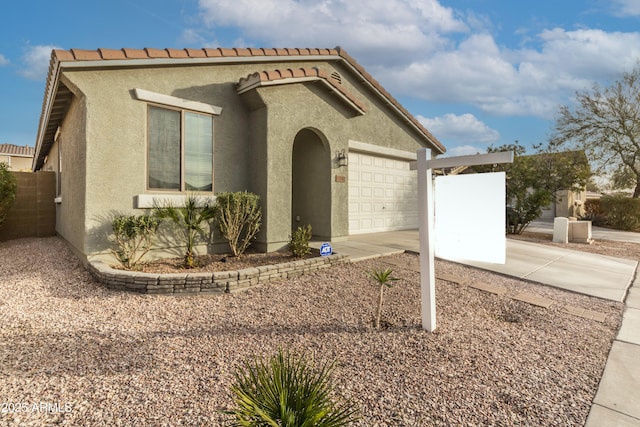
(462, 129)
(3, 61)
(463, 150)
(383, 31)
(626, 7)
(422, 49)
(36, 62)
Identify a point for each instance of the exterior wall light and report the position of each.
(341, 158)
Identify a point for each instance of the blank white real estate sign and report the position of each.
(470, 217)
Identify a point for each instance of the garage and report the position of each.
(382, 192)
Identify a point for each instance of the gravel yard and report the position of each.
(75, 353)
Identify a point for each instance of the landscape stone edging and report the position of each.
(201, 282)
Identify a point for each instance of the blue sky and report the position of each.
(475, 73)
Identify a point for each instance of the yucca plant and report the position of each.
(190, 218)
(384, 279)
(287, 391)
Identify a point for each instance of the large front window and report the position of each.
(180, 150)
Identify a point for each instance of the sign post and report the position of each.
(426, 217)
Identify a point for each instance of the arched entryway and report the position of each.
(311, 183)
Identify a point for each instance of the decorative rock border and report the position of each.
(215, 282)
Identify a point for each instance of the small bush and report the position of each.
(287, 391)
(8, 188)
(238, 217)
(622, 213)
(133, 236)
(299, 241)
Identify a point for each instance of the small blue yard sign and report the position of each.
(326, 249)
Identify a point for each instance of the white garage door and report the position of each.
(382, 194)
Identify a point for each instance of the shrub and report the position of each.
(593, 212)
(8, 188)
(299, 241)
(287, 391)
(134, 237)
(622, 213)
(238, 217)
(190, 218)
(384, 279)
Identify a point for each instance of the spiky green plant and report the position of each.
(287, 391)
(384, 279)
(190, 218)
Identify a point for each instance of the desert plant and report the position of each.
(238, 217)
(133, 236)
(8, 188)
(287, 391)
(384, 279)
(299, 241)
(190, 218)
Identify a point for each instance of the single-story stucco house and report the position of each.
(18, 158)
(308, 130)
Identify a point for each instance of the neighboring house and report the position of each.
(19, 158)
(568, 203)
(308, 130)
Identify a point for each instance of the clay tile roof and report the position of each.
(256, 52)
(85, 55)
(212, 53)
(286, 74)
(227, 52)
(177, 53)
(156, 53)
(17, 150)
(47, 128)
(62, 55)
(196, 53)
(242, 52)
(135, 53)
(298, 72)
(111, 54)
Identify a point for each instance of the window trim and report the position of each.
(172, 101)
(183, 113)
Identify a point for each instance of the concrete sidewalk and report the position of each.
(617, 401)
(582, 272)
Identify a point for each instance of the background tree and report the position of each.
(606, 124)
(534, 180)
(8, 188)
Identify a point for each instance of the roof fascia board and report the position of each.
(51, 90)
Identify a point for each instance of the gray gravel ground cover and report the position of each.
(75, 353)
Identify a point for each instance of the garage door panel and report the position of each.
(383, 196)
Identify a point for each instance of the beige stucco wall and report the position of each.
(104, 137)
(71, 208)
